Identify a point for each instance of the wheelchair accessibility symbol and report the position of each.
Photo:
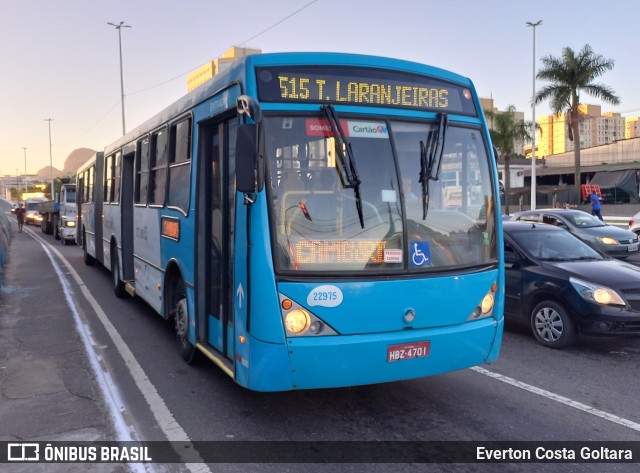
(420, 253)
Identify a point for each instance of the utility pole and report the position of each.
(119, 28)
(26, 187)
(53, 194)
(533, 106)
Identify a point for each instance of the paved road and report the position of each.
(48, 389)
(532, 393)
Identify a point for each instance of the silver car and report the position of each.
(608, 239)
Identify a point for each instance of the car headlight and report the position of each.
(607, 240)
(596, 293)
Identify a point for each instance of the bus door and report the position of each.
(215, 235)
(128, 159)
(80, 196)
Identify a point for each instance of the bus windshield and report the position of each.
(364, 208)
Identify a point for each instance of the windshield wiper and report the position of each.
(431, 157)
(347, 169)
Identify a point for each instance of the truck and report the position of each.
(31, 214)
(59, 215)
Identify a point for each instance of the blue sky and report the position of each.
(59, 59)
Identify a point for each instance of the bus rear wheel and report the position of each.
(118, 284)
(181, 324)
(88, 259)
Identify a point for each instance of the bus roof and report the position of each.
(237, 73)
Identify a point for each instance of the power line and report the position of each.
(183, 73)
(244, 42)
(92, 126)
(281, 21)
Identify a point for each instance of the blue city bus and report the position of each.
(310, 220)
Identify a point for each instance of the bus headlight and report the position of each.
(69, 223)
(485, 308)
(487, 303)
(300, 321)
(297, 321)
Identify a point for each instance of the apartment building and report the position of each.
(595, 128)
(631, 128)
(487, 105)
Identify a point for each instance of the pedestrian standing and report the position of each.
(595, 206)
(19, 213)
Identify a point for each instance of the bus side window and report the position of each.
(108, 178)
(142, 172)
(158, 165)
(180, 165)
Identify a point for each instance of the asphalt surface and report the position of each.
(47, 389)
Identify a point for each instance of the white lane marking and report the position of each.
(561, 399)
(167, 423)
(110, 392)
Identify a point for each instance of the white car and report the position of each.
(634, 224)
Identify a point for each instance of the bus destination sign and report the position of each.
(362, 86)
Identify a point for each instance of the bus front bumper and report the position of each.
(340, 361)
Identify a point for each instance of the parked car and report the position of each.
(613, 241)
(634, 224)
(563, 287)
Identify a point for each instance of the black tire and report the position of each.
(552, 326)
(88, 259)
(56, 233)
(180, 312)
(118, 284)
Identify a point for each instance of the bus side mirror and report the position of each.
(246, 158)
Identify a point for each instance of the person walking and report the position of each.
(19, 213)
(595, 206)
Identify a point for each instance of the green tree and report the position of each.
(570, 75)
(505, 129)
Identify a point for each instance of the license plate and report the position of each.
(407, 351)
(633, 247)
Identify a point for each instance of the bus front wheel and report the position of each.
(181, 324)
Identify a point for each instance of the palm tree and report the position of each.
(569, 75)
(505, 129)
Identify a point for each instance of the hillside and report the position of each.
(71, 164)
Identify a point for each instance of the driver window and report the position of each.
(552, 220)
(530, 217)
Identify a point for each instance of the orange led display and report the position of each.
(171, 228)
(351, 251)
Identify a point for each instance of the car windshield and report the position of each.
(363, 207)
(553, 245)
(584, 220)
